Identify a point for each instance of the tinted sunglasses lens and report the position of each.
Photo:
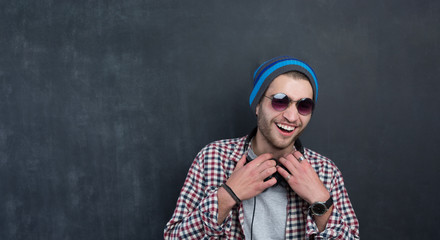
(280, 102)
(305, 106)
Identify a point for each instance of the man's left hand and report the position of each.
(303, 178)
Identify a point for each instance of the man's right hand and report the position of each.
(246, 181)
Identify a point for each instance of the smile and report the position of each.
(285, 127)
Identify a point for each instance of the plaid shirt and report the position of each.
(195, 216)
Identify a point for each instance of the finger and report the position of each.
(270, 163)
(288, 162)
(294, 160)
(286, 175)
(269, 183)
(267, 172)
(299, 156)
(241, 162)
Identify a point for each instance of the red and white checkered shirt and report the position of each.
(195, 216)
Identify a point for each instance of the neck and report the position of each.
(260, 145)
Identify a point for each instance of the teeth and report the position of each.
(285, 127)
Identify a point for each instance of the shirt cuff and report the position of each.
(332, 229)
(209, 214)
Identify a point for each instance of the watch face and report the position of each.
(318, 208)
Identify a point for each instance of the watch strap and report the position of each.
(329, 202)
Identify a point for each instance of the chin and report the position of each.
(283, 142)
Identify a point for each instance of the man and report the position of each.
(267, 185)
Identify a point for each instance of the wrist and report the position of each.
(225, 204)
(225, 198)
(322, 197)
(231, 193)
(319, 208)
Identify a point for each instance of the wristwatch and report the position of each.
(319, 208)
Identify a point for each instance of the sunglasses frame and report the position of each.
(298, 102)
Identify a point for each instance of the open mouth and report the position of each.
(285, 128)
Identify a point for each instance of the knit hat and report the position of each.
(271, 69)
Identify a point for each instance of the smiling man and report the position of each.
(266, 185)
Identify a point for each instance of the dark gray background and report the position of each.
(104, 105)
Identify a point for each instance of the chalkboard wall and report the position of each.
(104, 105)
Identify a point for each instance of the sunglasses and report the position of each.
(281, 102)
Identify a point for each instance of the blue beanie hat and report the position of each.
(271, 69)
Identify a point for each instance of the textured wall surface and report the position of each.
(104, 105)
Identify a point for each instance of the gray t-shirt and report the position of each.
(270, 213)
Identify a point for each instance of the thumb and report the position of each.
(241, 162)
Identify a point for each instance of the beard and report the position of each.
(272, 137)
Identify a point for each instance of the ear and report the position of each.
(257, 109)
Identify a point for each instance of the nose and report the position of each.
(291, 113)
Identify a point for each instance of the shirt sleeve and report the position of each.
(342, 223)
(195, 216)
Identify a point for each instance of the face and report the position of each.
(277, 131)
